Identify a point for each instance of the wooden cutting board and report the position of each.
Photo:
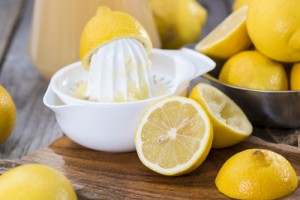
(100, 175)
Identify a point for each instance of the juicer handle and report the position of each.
(195, 63)
(201, 63)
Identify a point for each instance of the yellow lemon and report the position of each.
(256, 174)
(231, 125)
(179, 22)
(174, 136)
(273, 26)
(107, 26)
(35, 182)
(295, 77)
(240, 3)
(7, 115)
(251, 69)
(228, 38)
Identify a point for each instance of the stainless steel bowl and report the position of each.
(276, 109)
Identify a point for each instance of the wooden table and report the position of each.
(36, 127)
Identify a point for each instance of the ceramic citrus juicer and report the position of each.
(99, 101)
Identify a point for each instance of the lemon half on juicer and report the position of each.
(107, 26)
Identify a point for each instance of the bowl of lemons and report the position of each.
(258, 50)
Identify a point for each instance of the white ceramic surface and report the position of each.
(111, 126)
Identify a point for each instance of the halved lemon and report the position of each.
(257, 174)
(228, 38)
(107, 26)
(174, 136)
(231, 125)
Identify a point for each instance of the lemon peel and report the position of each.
(273, 26)
(179, 24)
(7, 115)
(256, 174)
(295, 77)
(35, 181)
(251, 69)
(106, 26)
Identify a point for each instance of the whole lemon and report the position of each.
(35, 182)
(274, 28)
(256, 174)
(179, 22)
(7, 115)
(251, 69)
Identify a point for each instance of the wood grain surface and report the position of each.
(100, 175)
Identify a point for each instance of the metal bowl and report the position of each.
(274, 109)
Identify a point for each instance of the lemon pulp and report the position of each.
(230, 123)
(228, 38)
(174, 136)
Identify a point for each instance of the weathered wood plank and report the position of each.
(9, 13)
(36, 127)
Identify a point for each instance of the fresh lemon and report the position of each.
(240, 3)
(251, 69)
(273, 26)
(174, 136)
(107, 26)
(228, 38)
(35, 182)
(179, 22)
(256, 174)
(7, 115)
(295, 77)
(231, 125)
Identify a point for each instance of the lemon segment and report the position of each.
(230, 123)
(273, 26)
(7, 115)
(256, 174)
(228, 38)
(251, 69)
(295, 77)
(174, 136)
(107, 26)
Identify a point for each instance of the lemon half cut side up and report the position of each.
(174, 137)
(231, 125)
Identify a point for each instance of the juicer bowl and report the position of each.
(111, 126)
